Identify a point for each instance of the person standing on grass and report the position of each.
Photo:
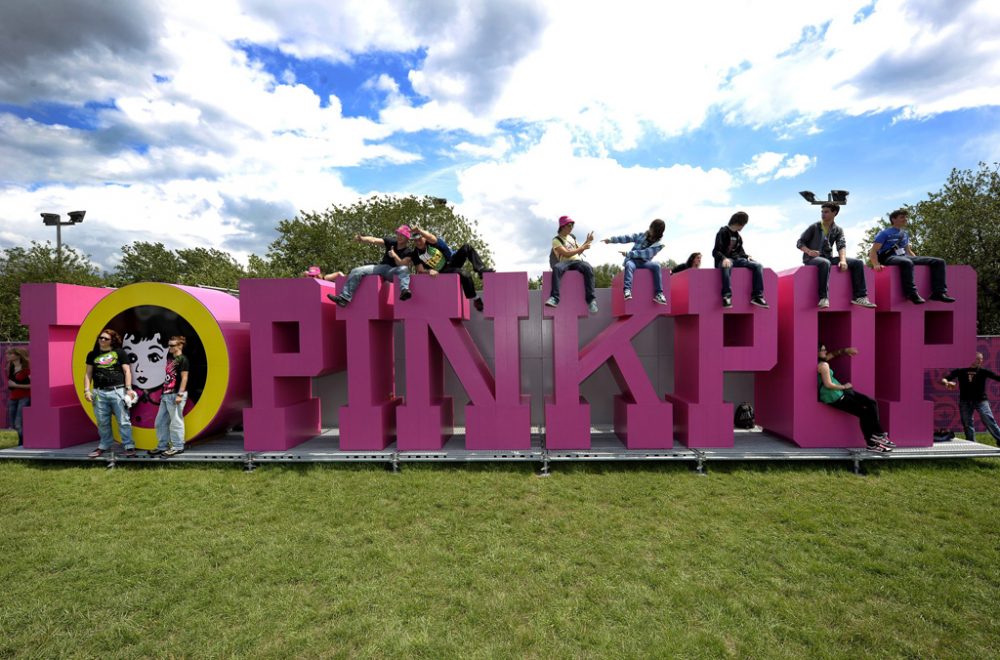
(433, 255)
(109, 372)
(170, 417)
(817, 243)
(891, 247)
(19, 384)
(645, 247)
(843, 396)
(395, 262)
(567, 255)
(729, 253)
(971, 384)
(693, 261)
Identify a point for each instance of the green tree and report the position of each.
(959, 223)
(210, 267)
(327, 239)
(604, 274)
(37, 263)
(146, 262)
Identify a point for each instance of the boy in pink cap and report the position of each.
(565, 256)
(396, 261)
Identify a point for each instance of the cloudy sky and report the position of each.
(204, 123)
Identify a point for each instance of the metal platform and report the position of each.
(754, 445)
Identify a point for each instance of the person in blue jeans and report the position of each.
(645, 247)
(729, 253)
(170, 417)
(106, 383)
(19, 384)
(891, 247)
(395, 262)
(971, 384)
(567, 254)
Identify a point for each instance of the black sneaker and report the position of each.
(478, 304)
(153, 453)
(727, 302)
(883, 439)
(405, 294)
(877, 447)
(942, 297)
(759, 302)
(915, 299)
(130, 452)
(340, 300)
(97, 453)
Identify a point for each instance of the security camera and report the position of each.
(76, 216)
(50, 219)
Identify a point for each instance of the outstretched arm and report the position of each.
(429, 237)
(370, 240)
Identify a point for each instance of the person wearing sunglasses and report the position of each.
(106, 383)
(170, 418)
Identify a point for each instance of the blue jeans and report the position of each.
(651, 266)
(854, 267)
(106, 404)
(170, 422)
(15, 416)
(385, 271)
(965, 409)
(574, 264)
(758, 276)
(906, 264)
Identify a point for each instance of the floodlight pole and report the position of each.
(51, 219)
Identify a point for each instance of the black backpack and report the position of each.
(743, 418)
(553, 259)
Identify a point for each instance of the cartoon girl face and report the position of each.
(146, 357)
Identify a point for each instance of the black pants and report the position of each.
(854, 267)
(906, 264)
(458, 259)
(864, 408)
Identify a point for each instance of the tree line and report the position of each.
(959, 223)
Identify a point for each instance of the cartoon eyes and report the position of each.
(154, 357)
(133, 358)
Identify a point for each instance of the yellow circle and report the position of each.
(194, 312)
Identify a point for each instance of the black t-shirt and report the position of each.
(175, 367)
(108, 367)
(393, 244)
(971, 382)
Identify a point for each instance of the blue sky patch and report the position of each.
(346, 81)
(61, 114)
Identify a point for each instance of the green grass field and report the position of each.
(784, 560)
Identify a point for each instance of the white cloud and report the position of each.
(771, 165)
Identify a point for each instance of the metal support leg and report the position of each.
(699, 468)
(248, 464)
(858, 469)
(544, 471)
(112, 463)
(395, 462)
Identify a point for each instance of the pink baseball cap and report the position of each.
(565, 220)
(403, 230)
(314, 271)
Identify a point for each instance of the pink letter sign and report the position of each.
(642, 419)
(786, 398)
(368, 421)
(913, 338)
(53, 312)
(710, 340)
(293, 337)
(498, 416)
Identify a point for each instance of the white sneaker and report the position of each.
(824, 303)
(628, 294)
(863, 302)
(660, 299)
(551, 302)
(593, 307)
